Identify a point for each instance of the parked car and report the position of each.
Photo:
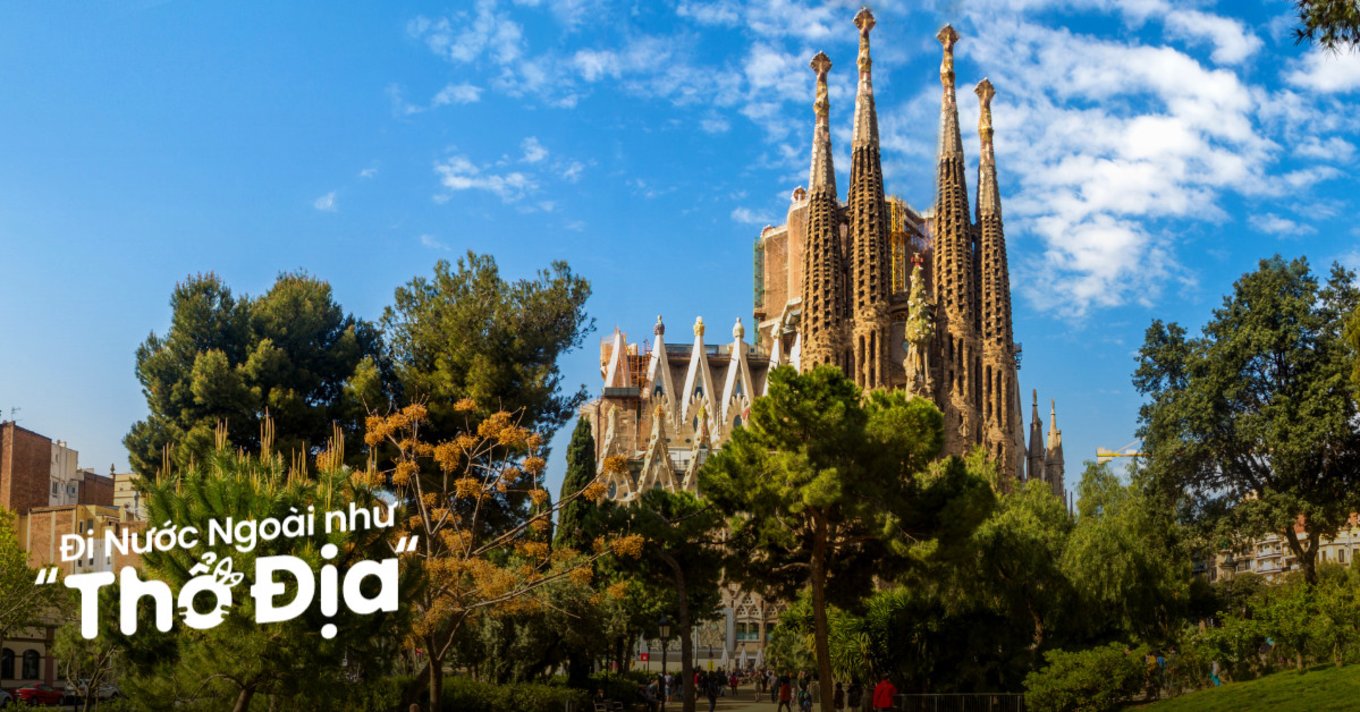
(5, 699)
(40, 694)
(81, 689)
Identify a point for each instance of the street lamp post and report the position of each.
(664, 628)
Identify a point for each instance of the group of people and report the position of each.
(784, 689)
(708, 685)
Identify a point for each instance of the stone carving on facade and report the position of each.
(919, 334)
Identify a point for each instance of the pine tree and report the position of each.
(572, 521)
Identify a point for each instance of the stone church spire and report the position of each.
(870, 266)
(1035, 469)
(869, 262)
(953, 263)
(997, 338)
(823, 288)
(1053, 458)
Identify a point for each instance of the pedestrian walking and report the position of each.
(884, 694)
(838, 698)
(785, 694)
(855, 695)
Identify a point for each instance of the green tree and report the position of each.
(233, 665)
(1094, 680)
(573, 526)
(292, 352)
(1333, 24)
(681, 556)
(21, 601)
(1338, 599)
(1289, 615)
(1253, 424)
(1353, 340)
(467, 333)
(87, 665)
(821, 484)
(1124, 561)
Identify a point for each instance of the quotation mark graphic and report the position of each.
(46, 576)
(407, 545)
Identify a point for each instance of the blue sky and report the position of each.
(1149, 152)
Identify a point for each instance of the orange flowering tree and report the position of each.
(477, 503)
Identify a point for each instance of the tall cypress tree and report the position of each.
(572, 520)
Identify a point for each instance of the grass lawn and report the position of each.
(1321, 688)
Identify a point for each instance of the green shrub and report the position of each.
(623, 688)
(466, 695)
(1093, 680)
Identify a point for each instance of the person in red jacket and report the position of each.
(884, 693)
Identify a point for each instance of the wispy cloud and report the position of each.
(1327, 72)
(747, 216)
(457, 94)
(431, 242)
(458, 173)
(533, 150)
(326, 203)
(1273, 224)
(368, 172)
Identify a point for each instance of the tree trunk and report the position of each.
(436, 677)
(1298, 660)
(1307, 559)
(243, 699)
(686, 635)
(821, 630)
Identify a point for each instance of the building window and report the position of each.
(6, 664)
(30, 665)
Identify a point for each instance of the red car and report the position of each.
(40, 694)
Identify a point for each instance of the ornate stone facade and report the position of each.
(893, 297)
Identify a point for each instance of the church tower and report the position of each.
(1053, 458)
(953, 266)
(999, 377)
(1034, 470)
(869, 251)
(823, 290)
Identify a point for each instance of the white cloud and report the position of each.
(1233, 43)
(572, 171)
(433, 243)
(714, 124)
(1333, 148)
(723, 13)
(368, 172)
(1107, 147)
(1273, 224)
(1327, 72)
(746, 216)
(457, 173)
(325, 203)
(457, 94)
(533, 150)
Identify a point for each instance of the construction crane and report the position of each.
(1103, 456)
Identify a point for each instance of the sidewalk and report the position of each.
(743, 702)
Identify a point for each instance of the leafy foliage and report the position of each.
(233, 663)
(825, 488)
(292, 352)
(477, 504)
(1333, 24)
(21, 602)
(467, 335)
(1253, 425)
(1093, 680)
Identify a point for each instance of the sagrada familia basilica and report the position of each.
(894, 297)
